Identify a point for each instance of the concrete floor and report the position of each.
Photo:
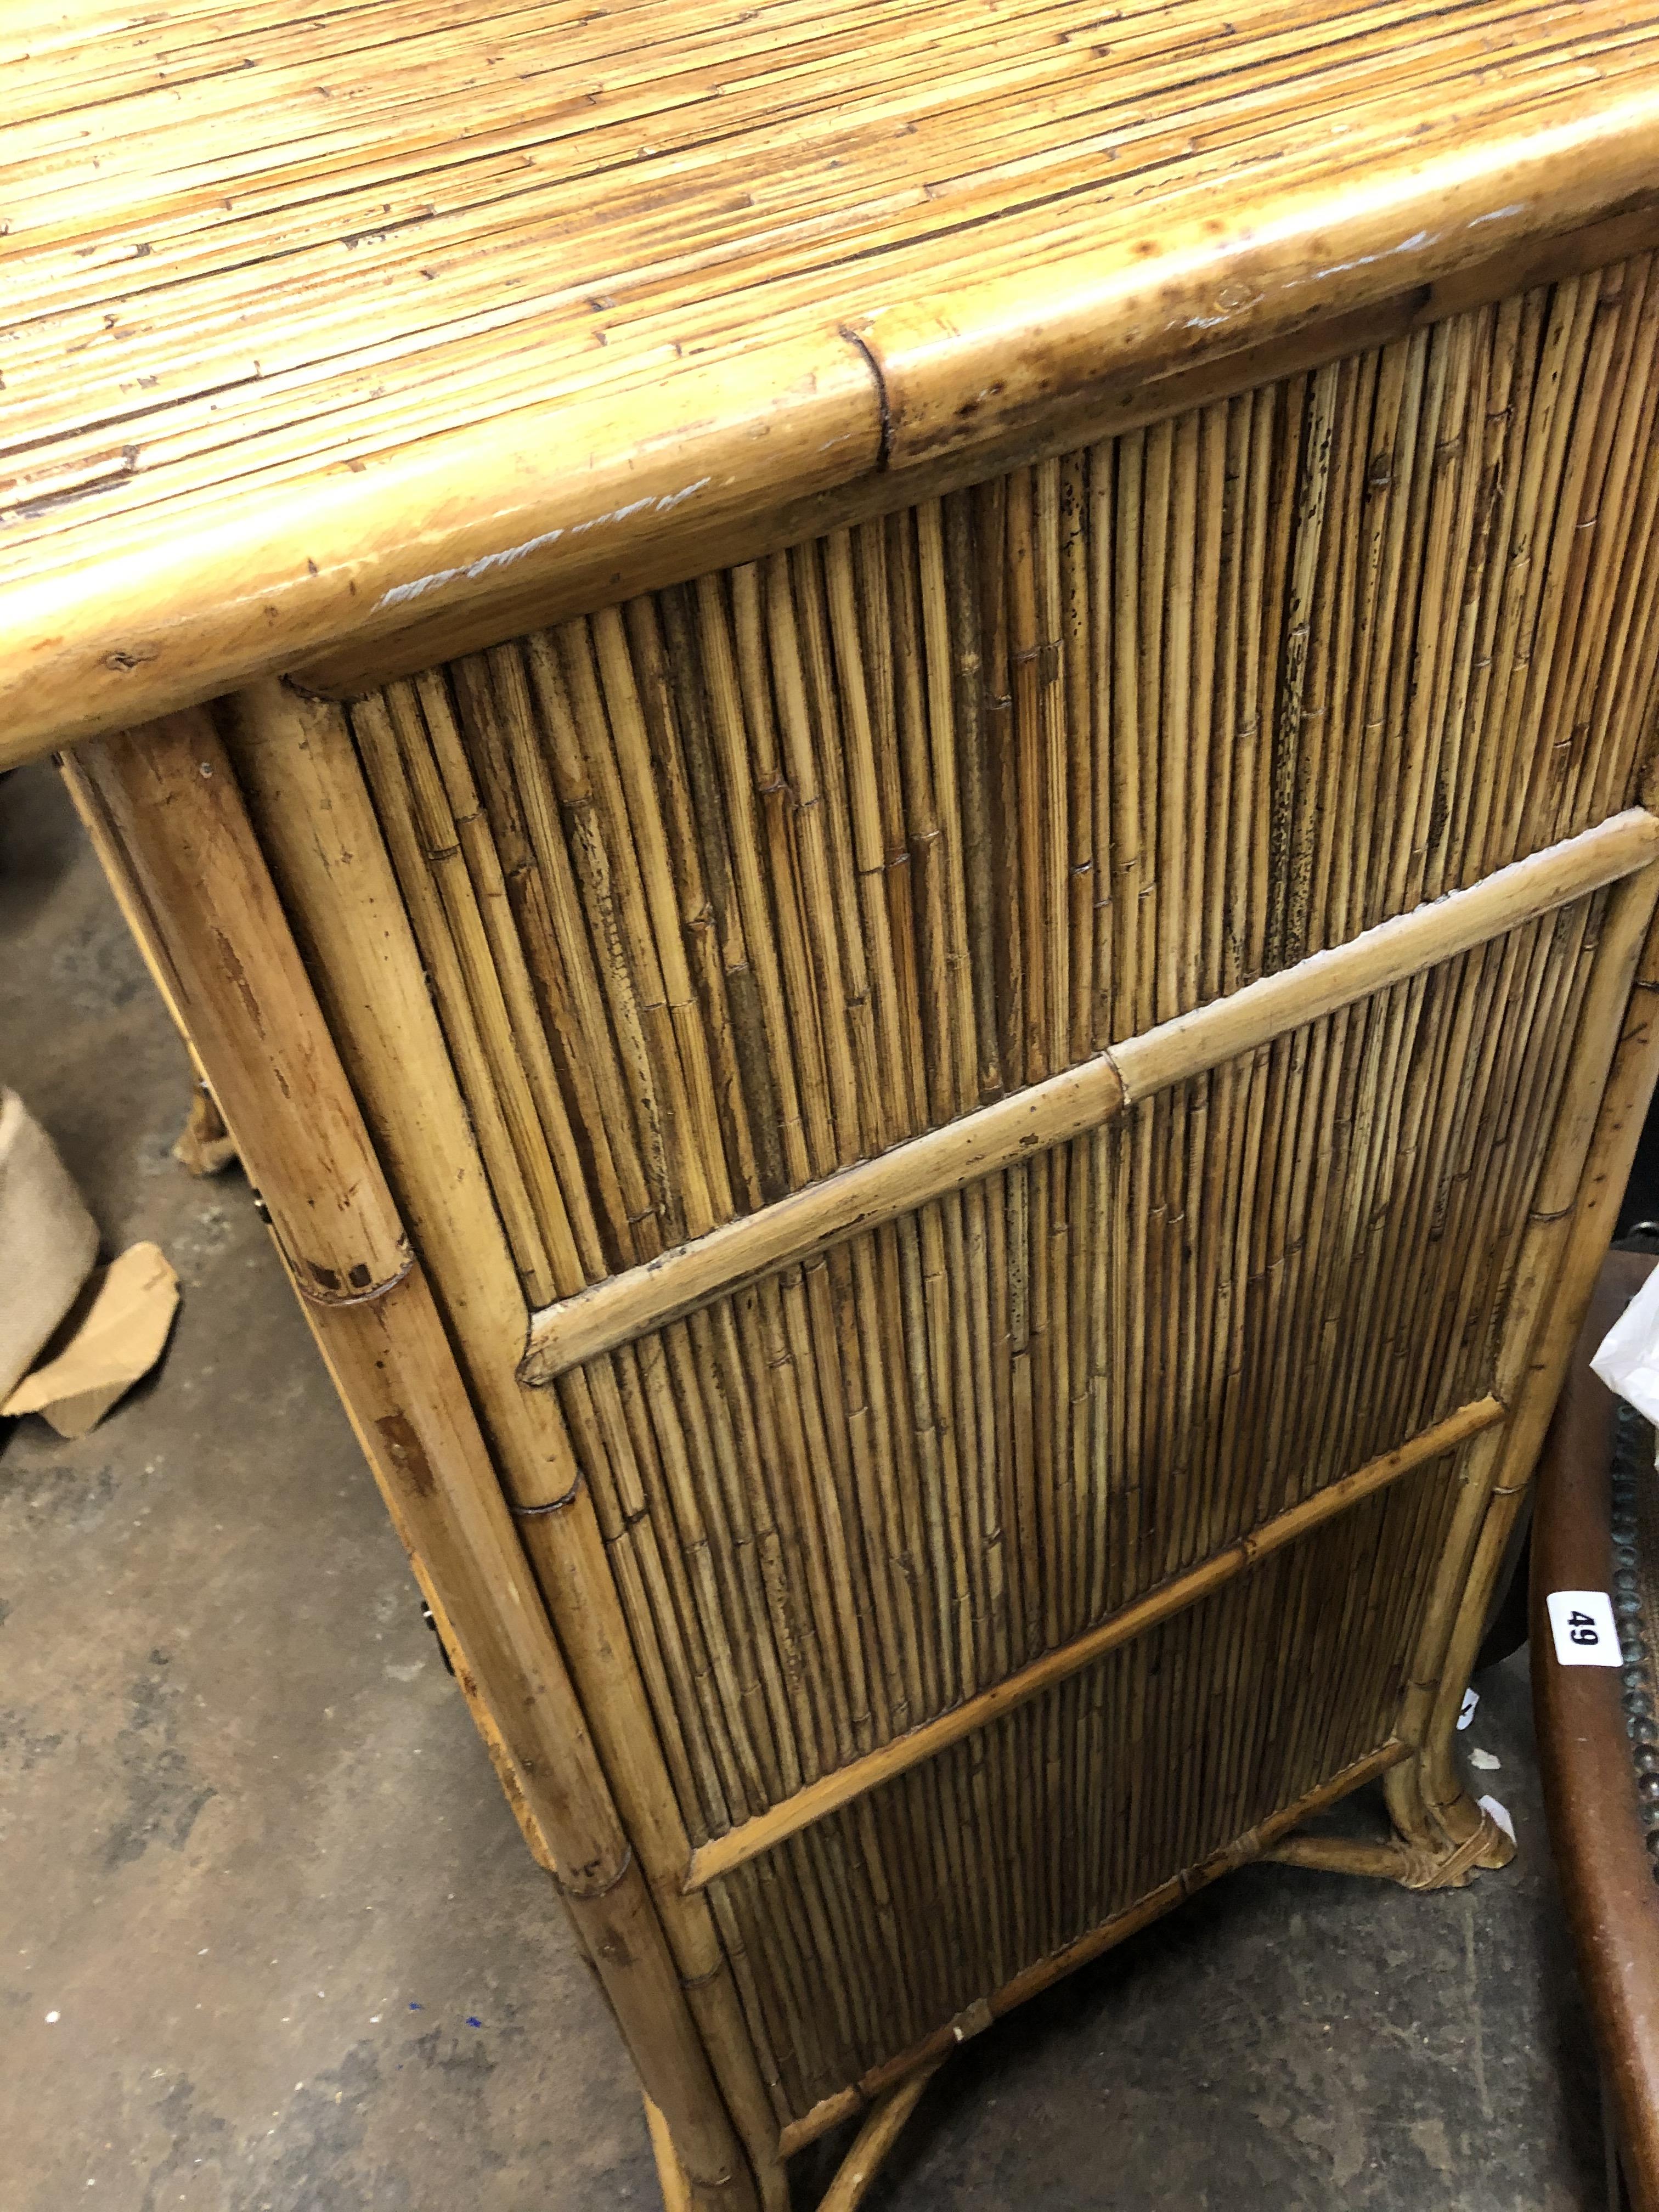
(269, 1942)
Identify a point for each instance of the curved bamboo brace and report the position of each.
(1045, 1972)
(853, 2177)
(1396, 1858)
(857, 2170)
(874, 2140)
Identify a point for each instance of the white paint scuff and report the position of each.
(1500, 1813)
(401, 594)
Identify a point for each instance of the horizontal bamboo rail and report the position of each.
(628, 1305)
(624, 1306)
(844, 1784)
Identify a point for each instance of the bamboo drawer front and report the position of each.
(895, 766)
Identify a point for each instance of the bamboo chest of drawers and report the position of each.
(894, 762)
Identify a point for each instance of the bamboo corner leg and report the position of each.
(204, 1145)
(168, 799)
(882, 2127)
(874, 2140)
(1434, 1855)
(670, 2174)
(1442, 1838)
(1437, 1820)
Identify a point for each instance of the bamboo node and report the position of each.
(587, 1892)
(552, 1505)
(883, 402)
(323, 1289)
(702, 1981)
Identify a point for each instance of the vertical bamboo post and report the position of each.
(168, 797)
(112, 861)
(298, 770)
(203, 1146)
(1576, 1204)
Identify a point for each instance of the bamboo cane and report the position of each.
(1063, 1106)
(1575, 1211)
(306, 795)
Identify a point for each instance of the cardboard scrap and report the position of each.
(47, 1240)
(120, 1338)
(205, 1146)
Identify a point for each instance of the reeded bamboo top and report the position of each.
(319, 325)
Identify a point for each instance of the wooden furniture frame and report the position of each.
(942, 1018)
(1588, 1757)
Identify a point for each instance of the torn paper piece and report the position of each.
(1500, 1813)
(1465, 1711)
(1484, 1761)
(47, 1240)
(205, 1146)
(120, 1338)
(1627, 1358)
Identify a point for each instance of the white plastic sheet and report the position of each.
(1628, 1358)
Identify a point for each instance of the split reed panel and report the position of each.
(868, 1933)
(730, 886)
(733, 885)
(854, 1494)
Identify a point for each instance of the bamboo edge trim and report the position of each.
(607, 1314)
(1107, 409)
(833, 1790)
(681, 470)
(1033, 1980)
